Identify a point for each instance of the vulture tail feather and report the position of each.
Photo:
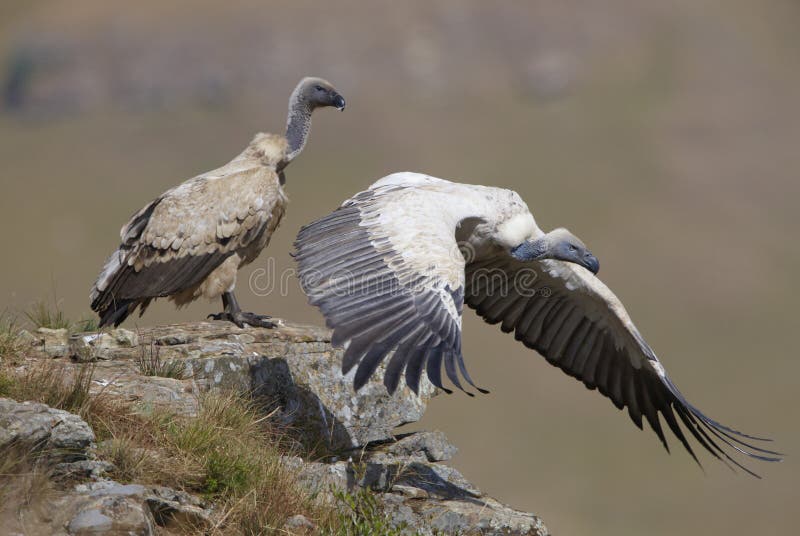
(116, 312)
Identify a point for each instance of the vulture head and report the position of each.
(558, 244)
(319, 93)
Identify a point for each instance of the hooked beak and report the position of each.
(591, 263)
(338, 102)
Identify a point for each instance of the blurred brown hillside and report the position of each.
(666, 135)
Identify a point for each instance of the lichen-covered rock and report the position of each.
(58, 434)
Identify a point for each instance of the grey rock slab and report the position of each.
(59, 434)
(171, 508)
(149, 392)
(51, 342)
(111, 515)
(433, 445)
(88, 347)
(83, 469)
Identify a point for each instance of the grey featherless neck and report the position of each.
(298, 123)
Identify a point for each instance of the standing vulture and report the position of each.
(192, 239)
(392, 268)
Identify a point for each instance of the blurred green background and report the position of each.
(665, 134)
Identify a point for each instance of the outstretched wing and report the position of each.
(176, 241)
(570, 317)
(387, 288)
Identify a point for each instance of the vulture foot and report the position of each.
(241, 318)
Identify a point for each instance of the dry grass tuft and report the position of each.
(85, 325)
(42, 316)
(150, 364)
(26, 488)
(54, 384)
(11, 345)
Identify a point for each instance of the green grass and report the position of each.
(361, 514)
(229, 453)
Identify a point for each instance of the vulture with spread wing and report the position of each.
(192, 239)
(392, 268)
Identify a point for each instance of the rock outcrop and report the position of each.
(65, 444)
(58, 435)
(296, 369)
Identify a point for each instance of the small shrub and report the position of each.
(227, 471)
(150, 364)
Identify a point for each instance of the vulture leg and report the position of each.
(233, 313)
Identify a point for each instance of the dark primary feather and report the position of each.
(371, 311)
(128, 289)
(584, 339)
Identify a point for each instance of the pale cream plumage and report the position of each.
(225, 216)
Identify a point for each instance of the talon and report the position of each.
(255, 320)
(241, 319)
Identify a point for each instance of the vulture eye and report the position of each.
(319, 88)
(572, 248)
